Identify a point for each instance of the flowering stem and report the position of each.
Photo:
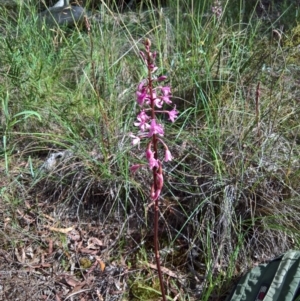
(156, 250)
(154, 172)
(151, 95)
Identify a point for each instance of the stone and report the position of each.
(62, 14)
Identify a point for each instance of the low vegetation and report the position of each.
(75, 223)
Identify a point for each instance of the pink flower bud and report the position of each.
(168, 155)
(161, 78)
(147, 43)
(152, 193)
(143, 55)
(155, 195)
(159, 177)
(154, 69)
(149, 153)
(135, 167)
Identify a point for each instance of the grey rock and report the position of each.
(62, 14)
(54, 159)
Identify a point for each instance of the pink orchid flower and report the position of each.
(155, 128)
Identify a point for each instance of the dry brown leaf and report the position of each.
(99, 295)
(101, 263)
(74, 235)
(48, 216)
(91, 269)
(94, 243)
(88, 251)
(6, 255)
(27, 205)
(57, 298)
(102, 266)
(164, 270)
(42, 265)
(71, 281)
(89, 279)
(20, 257)
(60, 230)
(76, 292)
(29, 252)
(26, 217)
(6, 221)
(50, 247)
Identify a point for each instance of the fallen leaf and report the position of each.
(101, 263)
(94, 243)
(26, 217)
(164, 270)
(99, 295)
(91, 268)
(48, 216)
(71, 281)
(57, 298)
(76, 292)
(61, 230)
(74, 235)
(29, 252)
(6, 221)
(38, 266)
(50, 247)
(20, 257)
(88, 251)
